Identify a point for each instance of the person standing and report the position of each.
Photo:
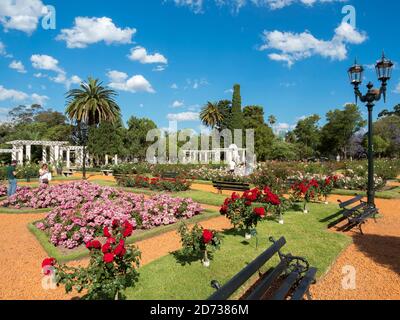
(12, 178)
(44, 175)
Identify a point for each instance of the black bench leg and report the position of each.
(360, 227)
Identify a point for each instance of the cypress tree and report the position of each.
(236, 113)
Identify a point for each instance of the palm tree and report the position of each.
(90, 105)
(210, 115)
(272, 120)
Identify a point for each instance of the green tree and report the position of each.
(263, 135)
(135, 137)
(387, 113)
(307, 135)
(225, 109)
(210, 115)
(389, 129)
(281, 150)
(106, 139)
(272, 120)
(90, 105)
(236, 121)
(340, 127)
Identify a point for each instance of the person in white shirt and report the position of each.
(44, 175)
(232, 166)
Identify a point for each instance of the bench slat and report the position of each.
(351, 201)
(231, 286)
(308, 279)
(263, 286)
(286, 286)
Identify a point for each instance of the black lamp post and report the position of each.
(384, 72)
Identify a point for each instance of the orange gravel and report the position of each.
(375, 258)
(22, 256)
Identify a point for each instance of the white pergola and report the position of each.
(56, 151)
(232, 153)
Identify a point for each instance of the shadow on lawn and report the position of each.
(384, 250)
(184, 259)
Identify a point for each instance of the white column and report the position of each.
(14, 154)
(44, 154)
(21, 155)
(106, 159)
(68, 158)
(52, 154)
(116, 159)
(28, 153)
(56, 153)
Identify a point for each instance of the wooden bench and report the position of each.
(169, 175)
(290, 279)
(230, 185)
(355, 210)
(107, 172)
(67, 173)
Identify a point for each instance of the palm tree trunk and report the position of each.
(84, 163)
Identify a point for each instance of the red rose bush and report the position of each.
(112, 266)
(199, 242)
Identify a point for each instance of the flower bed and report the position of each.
(3, 190)
(157, 184)
(82, 210)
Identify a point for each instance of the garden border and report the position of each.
(54, 252)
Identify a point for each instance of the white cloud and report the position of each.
(196, 83)
(20, 96)
(45, 62)
(294, 47)
(197, 6)
(38, 99)
(137, 83)
(281, 128)
(18, 66)
(183, 116)
(62, 78)
(228, 91)
(2, 49)
(174, 86)
(22, 15)
(177, 104)
(140, 54)
(159, 68)
(88, 31)
(397, 90)
(11, 94)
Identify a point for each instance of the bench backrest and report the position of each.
(245, 274)
(231, 185)
(169, 175)
(347, 203)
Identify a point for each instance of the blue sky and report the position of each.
(166, 58)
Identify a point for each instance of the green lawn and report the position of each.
(167, 278)
(387, 194)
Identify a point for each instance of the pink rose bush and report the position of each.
(3, 190)
(82, 210)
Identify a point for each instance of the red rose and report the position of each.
(128, 229)
(120, 249)
(106, 248)
(115, 223)
(111, 240)
(224, 209)
(89, 245)
(207, 236)
(259, 212)
(47, 264)
(96, 244)
(248, 203)
(106, 232)
(235, 196)
(108, 258)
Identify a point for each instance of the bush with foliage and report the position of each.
(240, 211)
(3, 190)
(157, 184)
(306, 191)
(28, 171)
(199, 242)
(274, 204)
(111, 270)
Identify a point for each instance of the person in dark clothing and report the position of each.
(12, 178)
